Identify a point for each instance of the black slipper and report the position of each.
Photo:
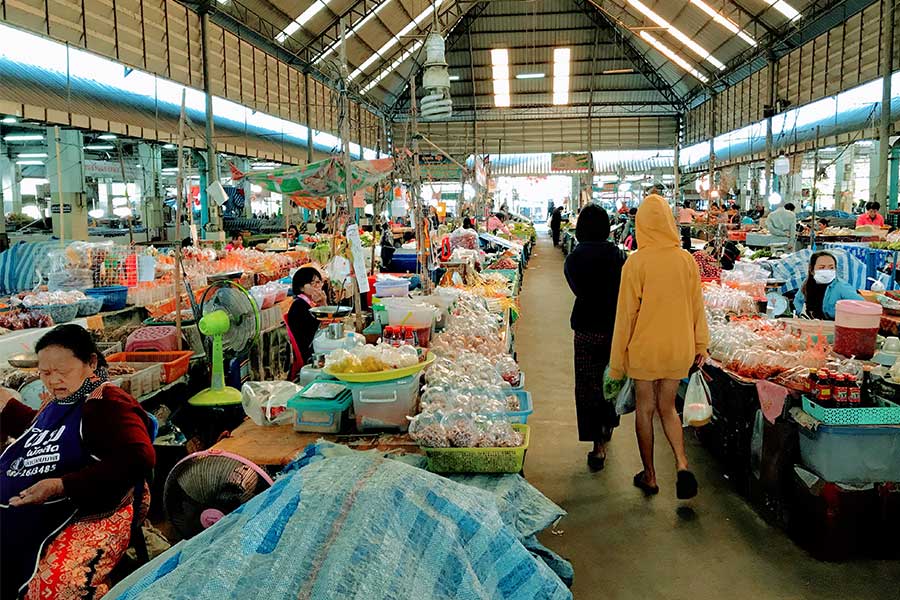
(595, 461)
(649, 490)
(686, 487)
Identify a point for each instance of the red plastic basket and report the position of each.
(175, 364)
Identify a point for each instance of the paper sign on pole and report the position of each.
(359, 262)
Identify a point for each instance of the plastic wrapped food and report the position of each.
(371, 359)
(464, 238)
(265, 402)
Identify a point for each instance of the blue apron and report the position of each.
(50, 448)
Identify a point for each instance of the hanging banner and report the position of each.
(570, 161)
(101, 169)
(438, 166)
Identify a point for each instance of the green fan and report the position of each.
(230, 317)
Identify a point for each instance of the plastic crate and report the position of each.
(174, 364)
(852, 453)
(114, 296)
(525, 407)
(145, 380)
(479, 460)
(89, 306)
(887, 414)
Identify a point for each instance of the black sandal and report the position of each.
(595, 462)
(686, 487)
(649, 490)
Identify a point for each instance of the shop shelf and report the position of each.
(174, 364)
(479, 460)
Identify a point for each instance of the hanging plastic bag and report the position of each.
(265, 402)
(697, 407)
(625, 399)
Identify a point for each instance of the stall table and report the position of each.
(277, 445)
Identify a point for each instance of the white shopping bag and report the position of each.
(697, 407)
(625, 399)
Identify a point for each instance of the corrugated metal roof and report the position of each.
(638, 162)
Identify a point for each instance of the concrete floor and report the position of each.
(624, 546)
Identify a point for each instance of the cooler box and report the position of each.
(385, 405)
(852, 453)
(160, 338)
(320, 414)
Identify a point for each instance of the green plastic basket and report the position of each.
(886, 414)
(479, 460)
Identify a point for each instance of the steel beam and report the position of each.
(638, 60)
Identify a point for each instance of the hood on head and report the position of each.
(655, 224)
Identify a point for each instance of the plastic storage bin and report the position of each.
(114, 296)
(320, 415)
(89, 306)
(387, 288)
(385, 405)
(851, 453)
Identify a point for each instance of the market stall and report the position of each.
(806, 419)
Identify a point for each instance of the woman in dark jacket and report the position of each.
(556, 224)
(593, 271)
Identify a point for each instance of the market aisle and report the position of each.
(626, 547)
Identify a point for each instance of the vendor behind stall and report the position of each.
(871, 216)
(67, 483)
(782, 223)
(237, 241)
(497, 222)
(821, 291)
(307, 284)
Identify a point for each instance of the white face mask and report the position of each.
(824, 276)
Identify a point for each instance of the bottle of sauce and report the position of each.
(812, 383)
(409, 337)
(854, 396)
(823, 389)
(841, 391)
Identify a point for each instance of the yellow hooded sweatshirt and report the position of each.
(660, 317)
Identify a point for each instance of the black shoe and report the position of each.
(686, 487)
(595, 461)
(639, 482)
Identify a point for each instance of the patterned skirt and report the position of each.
(77, 563)
(596, 417)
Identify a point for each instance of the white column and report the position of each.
(67, 183)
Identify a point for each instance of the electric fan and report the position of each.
(205, 486)
(230, 317)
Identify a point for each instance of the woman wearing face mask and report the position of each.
(820, 292)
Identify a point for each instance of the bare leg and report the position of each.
(667, 389)
(645, 407)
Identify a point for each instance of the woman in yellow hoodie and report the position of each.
(660, 334)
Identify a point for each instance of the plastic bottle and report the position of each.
(409, 337)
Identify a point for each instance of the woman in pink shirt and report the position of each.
(496, 222)
(871, 216)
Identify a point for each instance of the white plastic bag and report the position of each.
(265, 402)
(697, 407)
(625, 399)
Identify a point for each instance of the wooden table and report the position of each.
(278, 445)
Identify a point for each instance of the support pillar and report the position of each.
(243, 164)
(874, 157)
(67, 184)
(676, 168)
(894, 179)
(884, 126)
(770, 111)
(9, 179)
(212, 211)
(109, 197)
(152, 194)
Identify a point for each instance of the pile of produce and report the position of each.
(47, 298)
(15, 320)
(371, 359)
(504, 263)
(762, 348)
(709, 266)
(523, 231)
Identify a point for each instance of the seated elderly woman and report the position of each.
(67, 481)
